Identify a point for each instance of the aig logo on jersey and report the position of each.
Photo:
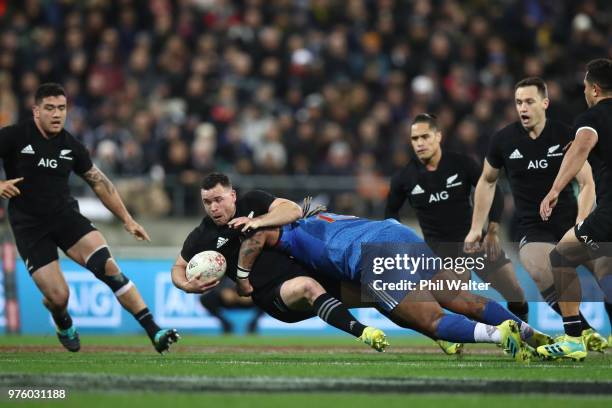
(436, 197)
(91, 302)
(537, 164)
(48, 163)
(175, 308)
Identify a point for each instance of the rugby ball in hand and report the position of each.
(206, 266)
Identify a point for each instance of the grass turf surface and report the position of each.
(296, 359)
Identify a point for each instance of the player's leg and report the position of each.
(420, 311)
(483, 309)
(53, 286)
(502, 277)
(601, 268)
(535, 257)
(91, 251)
(564, 258)
(304, 292)
(39, 253)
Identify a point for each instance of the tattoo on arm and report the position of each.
(250, 250)
(95, 178)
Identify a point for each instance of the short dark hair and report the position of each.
(48, 89)
(429, 118)
(533, 81)
(599, 72)
(212, 179)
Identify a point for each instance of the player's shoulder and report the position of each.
(14, 130)
(404, 174)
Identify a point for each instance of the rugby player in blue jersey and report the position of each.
(345, 247)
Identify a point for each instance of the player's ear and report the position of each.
(36, 111)
(546, 102)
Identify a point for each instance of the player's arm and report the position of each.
(395, 200)
(586, 195)
(576, 156)
(280, 212)
(107, 193)
(483, 198)
(179, 279)
(249, 251)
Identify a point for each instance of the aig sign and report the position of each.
(91, 302)
(175, 308)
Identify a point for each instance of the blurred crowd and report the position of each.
(167, 89)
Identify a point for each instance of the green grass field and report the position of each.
(292, 372)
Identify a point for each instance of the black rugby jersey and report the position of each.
(209, 236)
(531, 166)
(599, 118)
(441, 198)
(45, 164)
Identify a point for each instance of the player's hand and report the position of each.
(243, 287)
(199, 286)
(491, 246)
(136, 230)
(8, 188)
(471, 243)
(548, 203)
(246, 223)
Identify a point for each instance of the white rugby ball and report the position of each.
(206, 266)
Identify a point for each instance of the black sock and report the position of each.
(62, 320)
(572, 326)
(551, 298)
(333, 312)
(520, 309)
(145, 318)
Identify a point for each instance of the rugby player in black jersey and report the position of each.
(531, 150)
(38, 157)
(438, 186)
(283, 289)
(589, 240)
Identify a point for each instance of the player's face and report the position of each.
(589, 91)
(219, 203)
(425, 140)
(50, 114)
(530, 106)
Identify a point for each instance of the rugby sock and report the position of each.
(484, 333)
(550, 296)
(62, 320)
(145, 318)
(520, 309)
(334, 313)
(456, 328)
(572, 326)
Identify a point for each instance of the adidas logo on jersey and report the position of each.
(27, 150)
(417, 190)
(450, 182)
(221, 241)
(552, 151)
(516, 154)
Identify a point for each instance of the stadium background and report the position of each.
(295, 97)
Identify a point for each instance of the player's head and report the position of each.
(218, 197)
(531, 101)
(598, 81)
(50, 108)
(425, 136)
